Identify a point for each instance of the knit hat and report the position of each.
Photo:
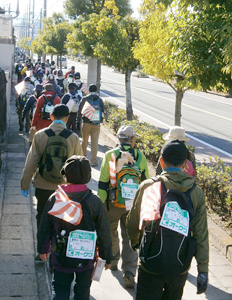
(72, 86)
(174, 152)
(60, 111)
(38, 87)
(176, 133)
(77, 170)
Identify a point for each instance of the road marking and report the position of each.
(192, 107)
(168, 126)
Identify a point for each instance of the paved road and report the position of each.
(207, 118)
(21, 278)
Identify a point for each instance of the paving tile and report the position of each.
(16, 208)
(12, 183)
(17, 247)
(16, 232)
(14, 285)
(17, 264)
(16, 219)
(16, 199)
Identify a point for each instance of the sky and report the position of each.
(52, 6)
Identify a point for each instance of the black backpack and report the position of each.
(24, 97)
(60, 82)
(47, 107)
(54, 156)
(60, 245)
(164, 251)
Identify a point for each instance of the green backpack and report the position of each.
(127, 182)
(54, 156)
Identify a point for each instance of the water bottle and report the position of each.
(60, 244)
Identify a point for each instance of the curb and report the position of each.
(220, 239)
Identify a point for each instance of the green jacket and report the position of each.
(180, 181)
(104, 179)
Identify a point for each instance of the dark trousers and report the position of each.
(72, 122)
(157, 287)
(62, 284)
(42, 198)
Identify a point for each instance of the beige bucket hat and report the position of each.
(176, 133)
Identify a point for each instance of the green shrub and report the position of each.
(216, 181)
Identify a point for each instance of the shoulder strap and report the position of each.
(49, 132)
(138, 158)
(65, 133)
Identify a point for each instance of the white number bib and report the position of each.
(175, 218)
(81, 244)
(96, 116)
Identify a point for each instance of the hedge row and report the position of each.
(214, 178)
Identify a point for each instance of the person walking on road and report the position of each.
(72, 100)
(91, 110)
(178, 133)
(168, 223)
(77, 172)
(34, 165)
(120, 169)
(45, 105)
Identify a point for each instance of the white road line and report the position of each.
(168, 126)
(189, 106)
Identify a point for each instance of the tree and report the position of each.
(116, 40)
(178, 47)
(77, 8)
(54, 35)
(37, 46)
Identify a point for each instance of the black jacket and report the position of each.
(49, 228)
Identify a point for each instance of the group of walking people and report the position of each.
(163, 219)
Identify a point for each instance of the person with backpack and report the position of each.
(81, 86)
(21, 100)
(58, 231)
(44, 107)
(29, 108)
(168, 223)
(72, 100)
(18, 69)
(50, 149)
(61, 82)
(91, 110)
(51, 79)
(122, 170)
(71, 71)
(178, 133)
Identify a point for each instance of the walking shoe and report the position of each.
(94, 164)
(129, 280)
(114, 268)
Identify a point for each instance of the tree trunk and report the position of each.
(61, 61)
(98, 83)
(179, 97)
(51, 57)
(129, 110)
(57, 61)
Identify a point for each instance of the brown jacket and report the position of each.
(35, 153)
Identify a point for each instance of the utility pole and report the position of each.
(45, 8)
(33, 20)
(29, 19)
(40, 23)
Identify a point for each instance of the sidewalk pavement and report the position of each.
(22, 278)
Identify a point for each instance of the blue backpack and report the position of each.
(97, 117)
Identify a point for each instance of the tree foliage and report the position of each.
(77, 8)
(178, 45)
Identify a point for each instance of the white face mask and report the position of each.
(70, 79)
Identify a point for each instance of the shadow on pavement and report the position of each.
(118, 275)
